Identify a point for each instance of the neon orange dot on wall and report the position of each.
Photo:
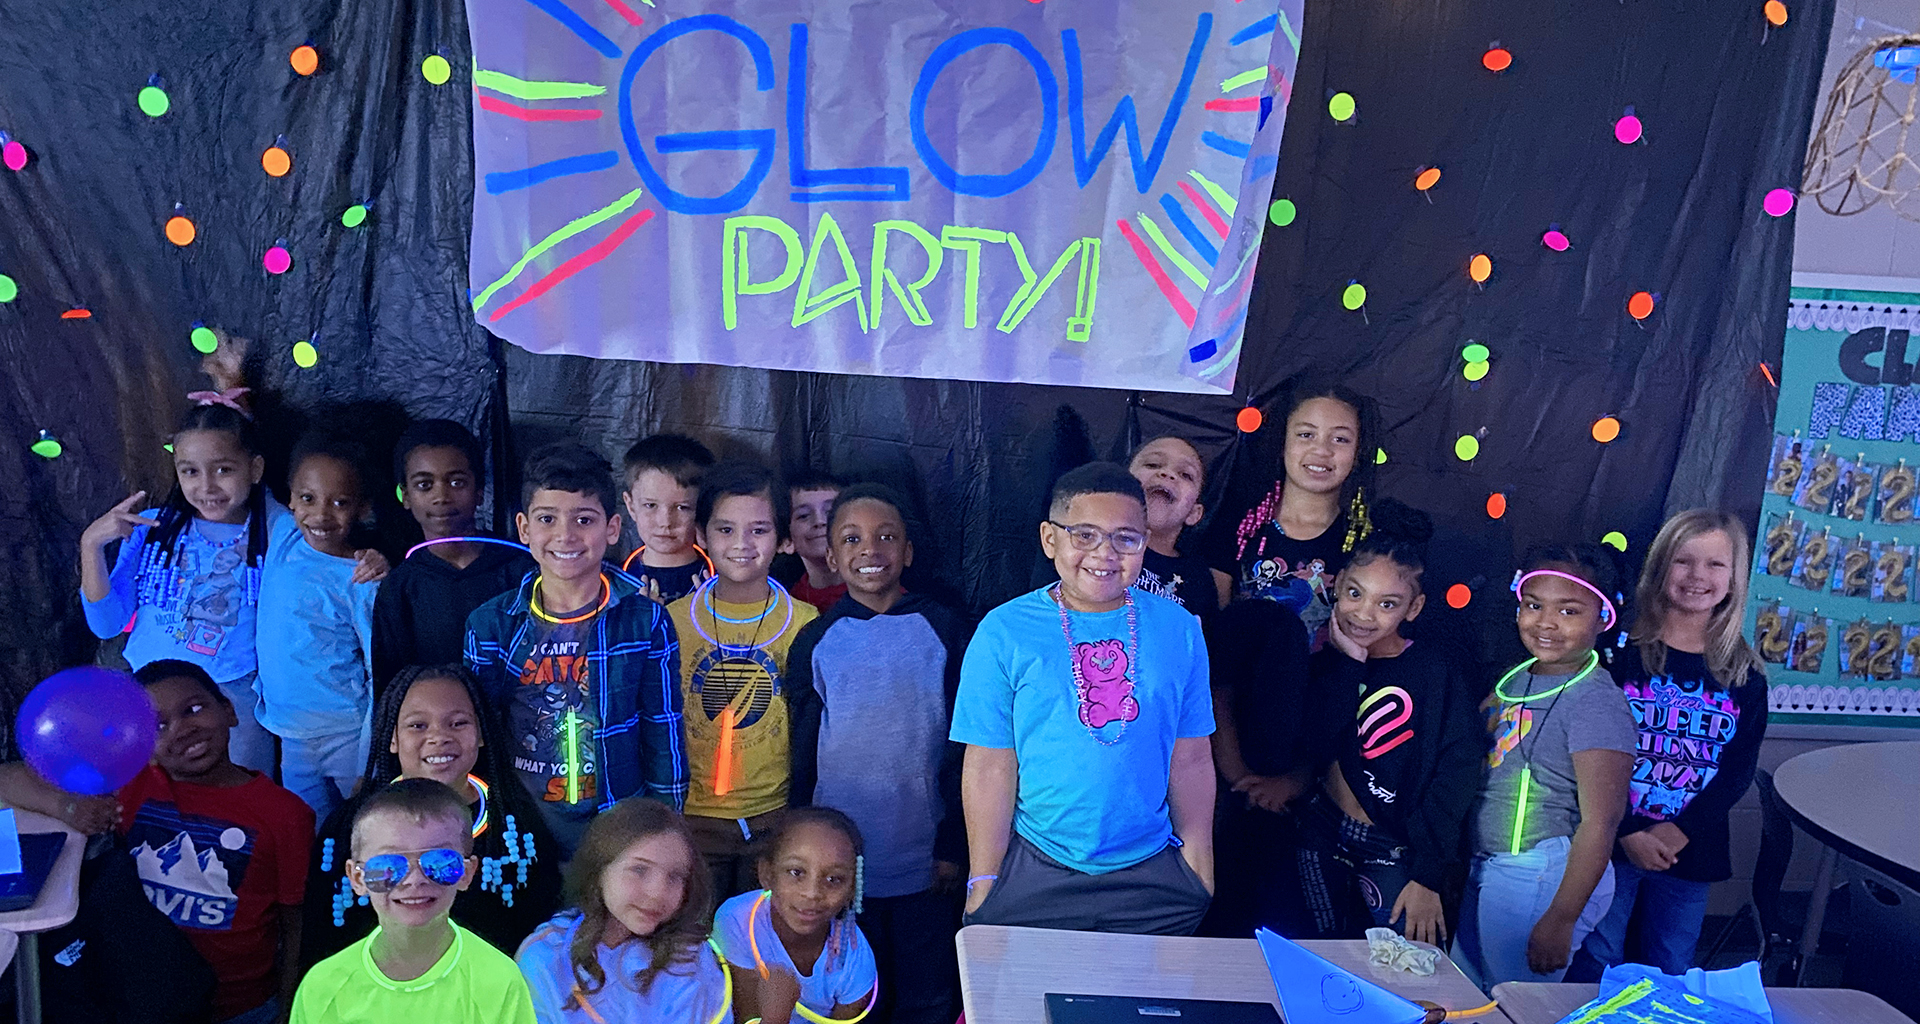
(1480, 268)
(1499, 59)
(1640, 306)
(1459, 595)
(1427, 179)
(1248, 420)
(305, 60)
(1776, 12)
(1496, 505)
(276, 161)
(180, 231)
(1605, 429)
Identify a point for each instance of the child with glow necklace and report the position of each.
(735, 630)
(420, 615)
(1563, 746)
(633, 948)
(412, 852)
(433, 724)
(663, 486)
(792, 946)
(579, 658)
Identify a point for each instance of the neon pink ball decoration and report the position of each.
(1778, 202)
(277, 260)
(14, 154)
(1555, 240)
(1627, 130)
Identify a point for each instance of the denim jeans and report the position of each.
(1654, 920)
(1506, 895)
(249, 744)
(324, 769)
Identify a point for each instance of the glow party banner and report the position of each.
(1046, 191)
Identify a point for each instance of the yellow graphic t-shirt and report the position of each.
(733, 666)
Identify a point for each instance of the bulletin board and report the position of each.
(1833, 606)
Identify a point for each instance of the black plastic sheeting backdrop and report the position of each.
(1726, 108)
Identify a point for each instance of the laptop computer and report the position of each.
(1075, 1009)
(38, 851)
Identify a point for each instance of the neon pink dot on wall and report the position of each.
(1627, 129)
(277, 260)
(14, 154)
(1555, 240)
(1778, 202)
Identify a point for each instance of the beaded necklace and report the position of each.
(158, 581)
(1079, 678)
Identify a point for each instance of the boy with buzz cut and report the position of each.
(585, 665)
(870, 685)
(663, 485)
(221, 850)
(811, 492)
(412, 850)
(736, 630)
(1088, 781)
(420, 614)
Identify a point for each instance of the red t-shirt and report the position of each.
(822, 598)
(217, 862)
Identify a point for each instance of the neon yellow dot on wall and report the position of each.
(305, 355)
(435, 69)
(1379, 456)
(1341, 106)
(1355, 296)
(1467, 448)
(1615, 540)
(1475, 371)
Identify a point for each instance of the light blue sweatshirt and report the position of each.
(695, 993)
(315, 638)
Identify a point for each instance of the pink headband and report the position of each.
(1607, 614)
(229, 398)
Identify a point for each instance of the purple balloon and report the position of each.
(88, 730)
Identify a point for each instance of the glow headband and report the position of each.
(1608, 616)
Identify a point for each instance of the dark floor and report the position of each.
(1742, 943)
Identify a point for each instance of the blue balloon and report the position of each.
(88, 730)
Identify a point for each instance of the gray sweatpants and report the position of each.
(1158, 896)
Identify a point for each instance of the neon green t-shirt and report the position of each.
(471, 982)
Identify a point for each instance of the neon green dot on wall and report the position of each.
(435, 69)
(1282, 212)
(1467, 448)
(1475, 353)
(154, 101)
(1475, 370)
(47, 447)
(204, 340)
(1355, 296)
(1615, 540)
(305, 355)
(355, 216)
(400, 493)
(9, 291)
(1341, 106)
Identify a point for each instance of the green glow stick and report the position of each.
(573, 759)
(1520, 810)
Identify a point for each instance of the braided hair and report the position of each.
(1400, 534)
(156, 581)
(1353, 490)
(766, 850)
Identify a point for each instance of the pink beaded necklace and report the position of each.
(1080, 687)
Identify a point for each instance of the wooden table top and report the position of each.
(1005, 973)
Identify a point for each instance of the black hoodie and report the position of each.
(420, 613)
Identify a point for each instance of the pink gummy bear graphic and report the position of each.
(1106, 694)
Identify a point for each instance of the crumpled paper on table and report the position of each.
(1387, 948)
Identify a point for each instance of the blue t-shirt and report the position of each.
(198, 608)
(689, 993)
(1093, 767)
(845, 973)
(315, 640)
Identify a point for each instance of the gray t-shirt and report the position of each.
(1545, 733)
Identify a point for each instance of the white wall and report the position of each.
(1878, 242)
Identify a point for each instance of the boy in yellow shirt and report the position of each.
(734, 632)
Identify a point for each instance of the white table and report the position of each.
(1859, 800)
(1005, 973)
(59, 901)
(1530, 1002)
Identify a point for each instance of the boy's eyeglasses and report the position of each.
(383, 872)
(1088, 538)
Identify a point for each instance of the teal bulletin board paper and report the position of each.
(1851, 424)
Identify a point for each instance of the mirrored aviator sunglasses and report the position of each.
(383, 872)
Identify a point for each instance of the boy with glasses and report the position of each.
(1084, 706)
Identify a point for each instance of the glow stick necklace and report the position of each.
(480, 806)
(726, 998)
(1526, 757)
(760, 964)
(606, 597)
(627, 566)
(704, 595)
(462, 540)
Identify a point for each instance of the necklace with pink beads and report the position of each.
(1079, 678)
